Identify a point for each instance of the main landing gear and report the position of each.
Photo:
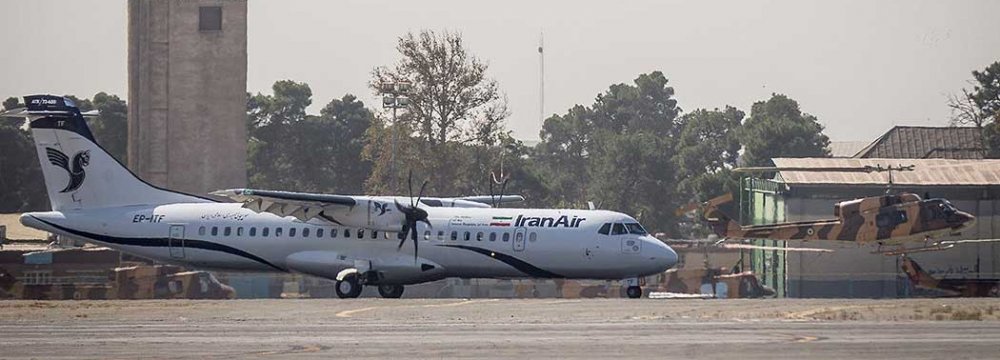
(390, 291)
(632, 289)
(350, 287)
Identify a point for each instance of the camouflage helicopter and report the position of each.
(890, 219)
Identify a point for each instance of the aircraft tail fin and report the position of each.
(79, 173)
(918, 276)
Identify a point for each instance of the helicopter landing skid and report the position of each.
(903, 250)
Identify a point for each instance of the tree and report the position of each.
(707, 149)
(617, 153)
(111, 125)
(980, 107)
(269, 118)
(21, 186)
(777, 128)
(292, 150)
(452, 127)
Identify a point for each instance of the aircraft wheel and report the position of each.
(390, 291)
(349, 288)
(633, 292)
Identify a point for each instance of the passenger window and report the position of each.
(605, 229)
(239, 231)
(305, 232)
(454, 235)
(532, 237)
(319, 232)
(427, 235)
(519, 237)
(291, 232)
(493, 236)
(618, 229)
(467, 236)
(333, 232)
(277, 231)
(264, 232)
(361, 233)
(215, 231)
(253, 231)
(479, 236)
(227, 231)
(441, 235)
(347, 233)
(201, 231)
(506, 237)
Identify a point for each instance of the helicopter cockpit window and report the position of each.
(605, 229)
(635, 228)
(618, 229)
(890, 218)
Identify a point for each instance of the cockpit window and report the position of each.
(635, 228)
(618, 229)
(605, 229)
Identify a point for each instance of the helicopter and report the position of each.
(889, 219)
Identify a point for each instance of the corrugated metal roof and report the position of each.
(846, 148)
(920, 142)
(925, 172)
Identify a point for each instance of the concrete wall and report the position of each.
(187, 95)
(852, 271)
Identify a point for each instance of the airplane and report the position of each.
(949, 287)
(346, 238)
(891, 219)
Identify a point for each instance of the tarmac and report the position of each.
(502, 328)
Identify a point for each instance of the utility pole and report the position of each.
(541, 82)
(394, 97)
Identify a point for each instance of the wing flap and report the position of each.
(302, 206)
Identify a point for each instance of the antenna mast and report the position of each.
(541, 81)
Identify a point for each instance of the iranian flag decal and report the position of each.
(501, 221)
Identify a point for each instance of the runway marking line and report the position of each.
(351, 313)
(348, 313)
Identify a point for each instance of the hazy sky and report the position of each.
(859, 66)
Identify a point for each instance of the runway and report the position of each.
(487, 328)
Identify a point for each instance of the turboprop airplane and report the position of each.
(350, 239)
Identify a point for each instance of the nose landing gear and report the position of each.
(632, 288)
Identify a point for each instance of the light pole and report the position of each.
(394, 97)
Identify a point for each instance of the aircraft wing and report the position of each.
(486, 199)
(303, 206)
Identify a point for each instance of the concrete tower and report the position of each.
(187, 80)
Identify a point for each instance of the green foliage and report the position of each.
(290, 150)
(986, 91)
(111, 126)
(616, 153)
(708, 148)
(21, 187)
(451, 132)
(777, 128)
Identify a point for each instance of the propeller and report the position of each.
(411, 215)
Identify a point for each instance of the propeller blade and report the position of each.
(402, 239)
(421, 194)
(409, 184)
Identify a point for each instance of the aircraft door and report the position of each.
(519, 234)
(176, 241)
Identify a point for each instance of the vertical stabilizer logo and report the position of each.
(75, 169)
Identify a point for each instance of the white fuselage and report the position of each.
(461, 242)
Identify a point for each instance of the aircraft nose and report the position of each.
(664, 257)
